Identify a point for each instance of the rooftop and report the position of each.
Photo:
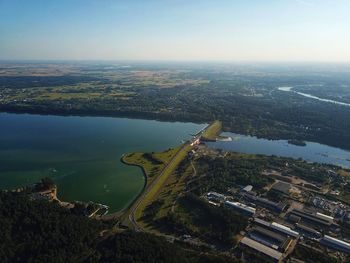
(282, 187)
(261, 248)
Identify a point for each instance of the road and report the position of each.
(137, 203)
(149, 188)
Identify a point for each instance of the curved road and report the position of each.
(137, 203)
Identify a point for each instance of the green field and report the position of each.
(166, 175)
(213, 131)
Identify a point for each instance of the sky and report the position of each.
(180, 30)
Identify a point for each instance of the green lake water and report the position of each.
(82, 154)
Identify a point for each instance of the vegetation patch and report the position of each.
(213, 131)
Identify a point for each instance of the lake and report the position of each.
(313, 152)
(82, 154)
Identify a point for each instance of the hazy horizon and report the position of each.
(285, 31)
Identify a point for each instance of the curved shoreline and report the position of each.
(119, 213)
(310, 96)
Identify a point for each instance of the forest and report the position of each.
(247, 102)
(39, 231)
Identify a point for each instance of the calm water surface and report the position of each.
(313, 152)
(82, 154)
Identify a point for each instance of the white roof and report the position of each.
(324, 216)
(261, 248)
(337, 241)
(285, 229)
(242, 206)
(248, 188)
(215, 194)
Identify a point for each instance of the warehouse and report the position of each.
(284, 229)
(241, 208)
(282, 187)
(263, 202)
(270, 238)
(272, 254)
(308, 231)
(311, 218)
(337, 244)
(215, 196)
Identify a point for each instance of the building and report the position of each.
(276, 227)
(263, 250)
(326, 217)
(263, 202)
(196, 142)
(261, 222)
(337, 244)
(284, 229)
(282, 187)
(308, 231)
(270, 238)
(216, 196)
(311, 218)
(247, 188)
(241, 208)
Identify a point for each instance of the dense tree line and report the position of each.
(220, 174)
(39, 231)
(141, 247)
(198, 218)
(270, 114)
(20, 82)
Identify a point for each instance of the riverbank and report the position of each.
(310, 96)
(308, 151)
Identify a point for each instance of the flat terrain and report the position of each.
(245, 98)
(213, 132)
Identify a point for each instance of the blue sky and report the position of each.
(220, 30)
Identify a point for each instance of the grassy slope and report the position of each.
(213, 131)
(153, 171)
(153, 192)
(162, 181)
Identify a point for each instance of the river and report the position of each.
(82, 154)
(313, 152)
(290, 89)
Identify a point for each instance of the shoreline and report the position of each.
(119, 213)
(156, 117)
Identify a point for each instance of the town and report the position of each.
(304, 218)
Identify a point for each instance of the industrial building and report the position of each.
(277, 227)
(263, 250)
(241, 208)
(216, 196)
(270, 238)
(263, 202)
(261, 222)
(284, 229)
(337, 244)
(308, 231)
(247, 188)
(282, 187)
(318, 219)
